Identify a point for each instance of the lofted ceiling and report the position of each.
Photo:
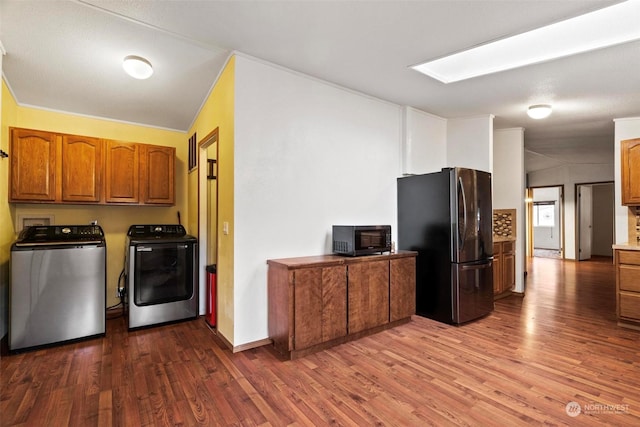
(66, 56)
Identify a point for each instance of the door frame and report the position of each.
(204, 213)
(529, 218)
(577, 185)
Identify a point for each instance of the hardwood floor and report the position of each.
(521, 365)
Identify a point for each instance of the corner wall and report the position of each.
(424, 148)
(470, 142)
(308, 154)
(8, 109)
(509, 188)
(218, 111)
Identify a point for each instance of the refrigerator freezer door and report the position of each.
(472, 290)
(471, 215)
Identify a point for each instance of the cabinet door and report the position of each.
(307, 307)
(122, 172)
(33, 165)
(157, 174)
(320, 312)
(81, 169)
(368, 295)
(497, 268)
(402, 288)
(630, 170)
(508, 271)
(334, 302)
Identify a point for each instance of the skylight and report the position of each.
(606, 27)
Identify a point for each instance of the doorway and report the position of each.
(207, 213)
(594, 220)
(545, 232)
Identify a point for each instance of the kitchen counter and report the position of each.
(633, 246)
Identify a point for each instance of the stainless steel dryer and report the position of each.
(57, 285)
(161, 268)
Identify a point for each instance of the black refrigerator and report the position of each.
(446, 217)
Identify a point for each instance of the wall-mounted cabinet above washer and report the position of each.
(48, 167)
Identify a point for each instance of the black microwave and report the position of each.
(355, 240)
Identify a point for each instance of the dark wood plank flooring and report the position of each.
(521, 365)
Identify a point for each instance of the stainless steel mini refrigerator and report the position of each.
(446, 217)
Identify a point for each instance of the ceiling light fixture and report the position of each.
(599, 29)
(540, 111)
(137, 67)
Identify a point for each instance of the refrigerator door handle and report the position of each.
(477, 266)
(463, 238)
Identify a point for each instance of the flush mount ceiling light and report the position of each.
(603, 28)
(137, 67)
(540, 111)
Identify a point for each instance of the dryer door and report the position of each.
(162, 273)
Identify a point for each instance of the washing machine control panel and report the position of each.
(53, 234)
(156, 230)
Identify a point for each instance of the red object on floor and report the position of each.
(210, 315)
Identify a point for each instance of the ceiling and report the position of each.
(66, 56)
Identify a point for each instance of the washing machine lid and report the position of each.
(42, 235)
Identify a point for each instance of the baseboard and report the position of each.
(517, 294)
(239, 348)
(254, 344)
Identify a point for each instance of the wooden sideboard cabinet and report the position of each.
(630, 171)
(321, 301)
(504, 268)
(628, 287)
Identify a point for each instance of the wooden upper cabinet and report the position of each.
(33, 165)
(122, 172)
(81, 169)
(157, 169)
(630, 168)
(49, 167)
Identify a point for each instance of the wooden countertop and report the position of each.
(329, 260)
(504, 239)
(627, 246)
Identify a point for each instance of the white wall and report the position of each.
(425, 142)
(569, 176)
(307, 155)
(509, 187)
(627, 128)
(470, 142)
